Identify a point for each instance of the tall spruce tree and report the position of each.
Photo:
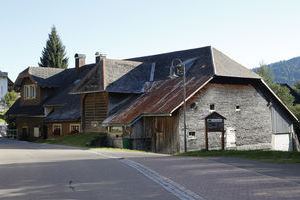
(54, 54)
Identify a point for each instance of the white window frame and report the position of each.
(36, 131)
(57, 125)
(191, 137)
(72, 125)
(29, 92)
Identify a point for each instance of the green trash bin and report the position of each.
(126, 143)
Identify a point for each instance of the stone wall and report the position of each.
(252, 123)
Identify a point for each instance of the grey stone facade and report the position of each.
(252, 123)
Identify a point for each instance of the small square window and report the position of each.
(212, 107)
(192, 135)
(56, 129)
(74, 128)
(237, 108)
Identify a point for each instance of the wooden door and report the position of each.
(25, 133)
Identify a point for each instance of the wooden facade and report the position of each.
(30, 128)
(31, 101)
(94, 109)
(66, 128)
(156, 134)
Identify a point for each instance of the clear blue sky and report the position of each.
(248, 31)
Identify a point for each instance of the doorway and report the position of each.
(25, 133)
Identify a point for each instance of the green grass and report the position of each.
(117, 149)
(75, 140)
(80, 140)
(266, 156)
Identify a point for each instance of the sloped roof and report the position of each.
(3, 74)
(225, 66)
(133, 81)
(130, 75)
(43, 76)
(163, 61)
(25, 110)
(106, 75)
(161, 98)
(68, 112)
(65, 80)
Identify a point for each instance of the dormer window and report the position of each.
(29, 92)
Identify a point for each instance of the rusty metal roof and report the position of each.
(162, 98)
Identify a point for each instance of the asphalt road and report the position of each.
(37, 171)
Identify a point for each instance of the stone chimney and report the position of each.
(99, 56)
(79, 61)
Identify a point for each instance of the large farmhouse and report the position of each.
(140, 103)
(141, 107)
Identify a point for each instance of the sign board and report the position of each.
(214, 120)
(215, 125)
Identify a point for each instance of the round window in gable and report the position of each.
(193, 105)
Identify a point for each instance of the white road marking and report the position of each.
(174, 188)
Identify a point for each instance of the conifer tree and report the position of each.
(54, 55)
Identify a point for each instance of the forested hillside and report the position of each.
(287, 71)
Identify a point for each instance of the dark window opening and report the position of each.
(212, 106)
(193, 105)
(237, 108)
(192, 134)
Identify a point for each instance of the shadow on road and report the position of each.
(76, 179)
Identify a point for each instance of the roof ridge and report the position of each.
(37, 67)
(168, 52)
(212, 60)
(123, 60)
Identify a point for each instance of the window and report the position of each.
(193, 105)
(212, 107)
(36, 132)
(192, 135)
(56, 129)
(74, 128)
(237, 108)
(29, 92)
(115, 129)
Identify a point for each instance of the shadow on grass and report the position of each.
(266, 156)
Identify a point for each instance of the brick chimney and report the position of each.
(79, 61)
(99, 56)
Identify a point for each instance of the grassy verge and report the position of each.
(76, 140)
(118, 149)
(267, 156)
(81, 139)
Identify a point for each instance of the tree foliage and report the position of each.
(286, 71)
(266, 75)
(54, 55)
(10, 98)
(281, 91)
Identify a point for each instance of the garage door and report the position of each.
(281, 142)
